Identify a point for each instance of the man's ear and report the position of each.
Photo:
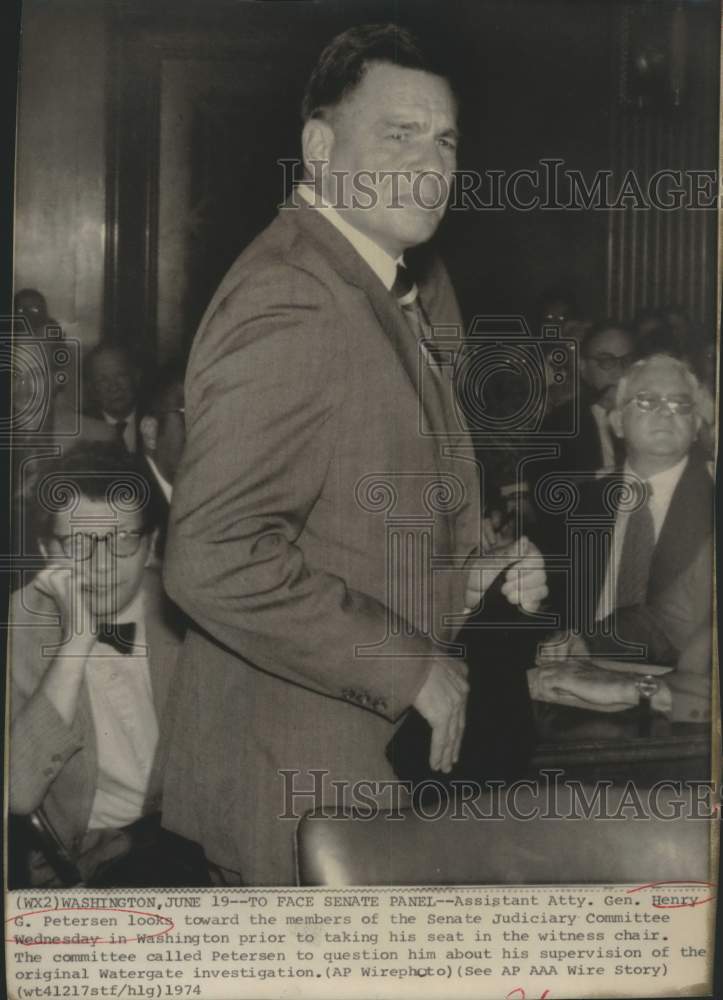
(616, 422)
(317, 141)
(149, 432)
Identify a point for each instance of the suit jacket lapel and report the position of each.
(688, 525)
(354, 269)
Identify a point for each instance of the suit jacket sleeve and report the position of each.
(672, 618)
(40, 741)
(691, 685)
(266, 380)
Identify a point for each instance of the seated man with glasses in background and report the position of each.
(652, 587)
(92, 651)
(606, 352)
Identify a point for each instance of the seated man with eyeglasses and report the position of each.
(652, 587)
(92, 652)
(606, 353)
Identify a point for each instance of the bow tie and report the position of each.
(120, 636)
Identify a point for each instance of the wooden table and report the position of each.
(596, 746)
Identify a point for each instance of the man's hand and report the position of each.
(561, 646)
(582, 686)
(63, 586)
(493, 531)
(443, 701)
(525, 579)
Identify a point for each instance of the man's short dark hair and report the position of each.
(345, 60)
(96, 471)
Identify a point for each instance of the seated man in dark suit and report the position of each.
(651, 599)
(112, 383)
(92, 652)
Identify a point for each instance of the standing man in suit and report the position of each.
(655, 590)
(113, 381)
(306, 412)
(91, 656)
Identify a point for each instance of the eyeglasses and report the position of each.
(652, 402)
(609, 361)
(81, 546)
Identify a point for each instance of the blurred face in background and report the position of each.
(607, 356)
(32, 306)
(113, 382)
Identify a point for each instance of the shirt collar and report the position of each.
(117, 420)
(165, 486)
(382, 263)
(662, 484)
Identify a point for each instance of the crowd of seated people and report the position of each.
(91, 675)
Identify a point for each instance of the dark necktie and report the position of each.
(637, 554)
(120, 636)
(120, 429)
(406, 292)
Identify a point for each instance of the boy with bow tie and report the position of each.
(92, 650)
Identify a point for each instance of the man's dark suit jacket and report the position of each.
(583, 452)
(310, 432)
(679, 596)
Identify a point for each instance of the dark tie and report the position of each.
(120, 636)
(120, 429)
(637, 554)
(406, 293)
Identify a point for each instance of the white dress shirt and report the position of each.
(126, 727)
(129, 433)
(662, 486)
(382, 263)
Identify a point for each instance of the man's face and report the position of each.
(171, 432)
(32, 305)
(114, 383)
(607, 357)
(656, 433)
(399, 126)
(108, 578)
